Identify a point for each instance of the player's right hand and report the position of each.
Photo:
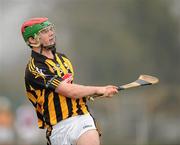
(107, 91)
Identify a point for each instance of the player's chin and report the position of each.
(51, 43)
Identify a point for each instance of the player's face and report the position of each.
(47, 36)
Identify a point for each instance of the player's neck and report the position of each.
(45, 52)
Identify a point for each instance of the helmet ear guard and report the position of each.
(36, 37)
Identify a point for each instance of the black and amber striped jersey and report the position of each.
(42, 76)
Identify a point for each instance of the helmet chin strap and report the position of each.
(49, 47)
(38, 44)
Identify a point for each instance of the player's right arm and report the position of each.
(79, 91)
(40, 77)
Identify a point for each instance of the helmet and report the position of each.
(30, 28)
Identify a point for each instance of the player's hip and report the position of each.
(68, 131)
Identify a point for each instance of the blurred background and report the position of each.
(109, 42)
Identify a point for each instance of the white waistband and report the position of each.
(68, 120)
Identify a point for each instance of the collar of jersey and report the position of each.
(39, 57)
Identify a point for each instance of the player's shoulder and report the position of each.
(33, 63)
(34, 67)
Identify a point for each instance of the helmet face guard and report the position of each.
(32, 27)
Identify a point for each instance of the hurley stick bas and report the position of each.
(143, 80)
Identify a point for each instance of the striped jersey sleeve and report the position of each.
(39, 75)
